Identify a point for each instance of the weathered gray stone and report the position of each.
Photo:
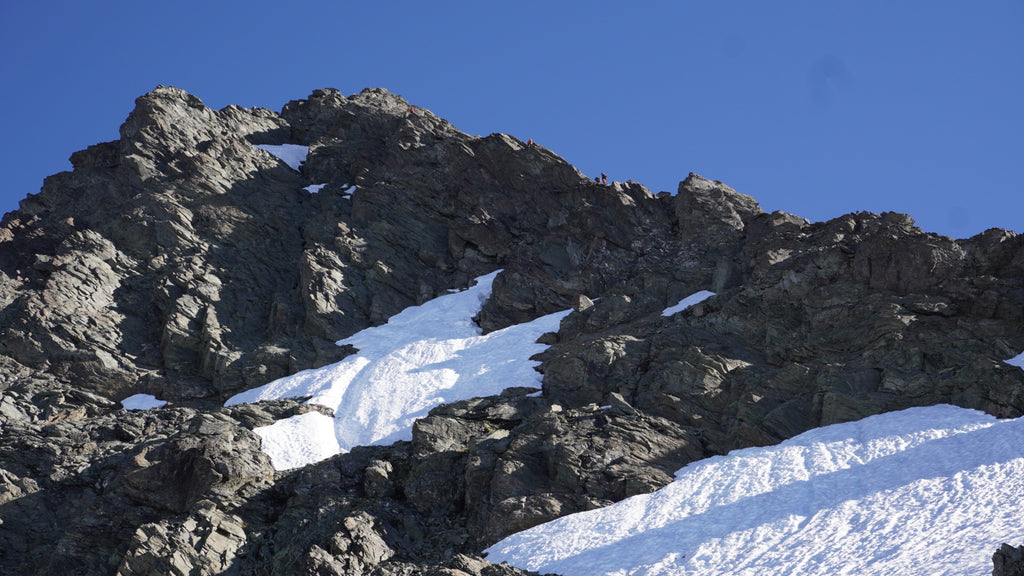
(207, 542)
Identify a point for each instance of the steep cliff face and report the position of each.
(184, 261)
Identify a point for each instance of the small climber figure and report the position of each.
(604, 178)
(529, 142)
(412, 110)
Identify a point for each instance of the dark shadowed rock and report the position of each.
(1008, 561)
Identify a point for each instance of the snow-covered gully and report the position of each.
(424, 356)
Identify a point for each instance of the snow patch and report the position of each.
(424, 356)
(142, 402)
(1017, 360)
(923, 491)
(692, 299)
(291, 154)
(314, 188)
(299, 440)
(347, 192)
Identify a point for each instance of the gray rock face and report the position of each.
(183, 261)
(206, 542)
(1008, 561)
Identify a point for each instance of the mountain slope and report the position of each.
(186, 262)
(922, 491)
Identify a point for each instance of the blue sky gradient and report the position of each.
(815, 108)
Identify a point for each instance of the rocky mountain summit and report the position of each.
(183, 261)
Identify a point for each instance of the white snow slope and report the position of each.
(424, 356)
(926, 491)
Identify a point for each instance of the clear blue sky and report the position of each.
(816, 108)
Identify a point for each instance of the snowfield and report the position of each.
(294, 155)
(424, 356)
(925, 491)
